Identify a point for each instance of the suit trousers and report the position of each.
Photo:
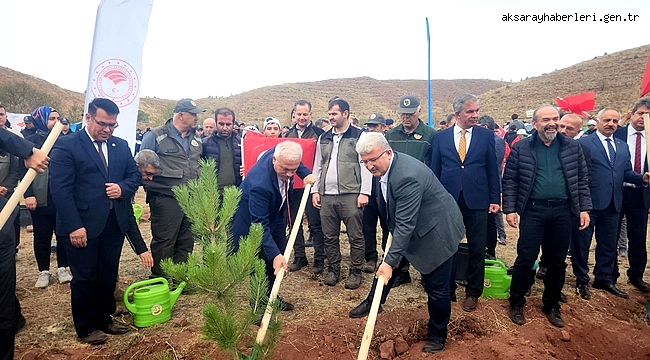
(94, 270)
(9, 305)
(637, 226)
(171, 232)
(544, 224)
(605, 224)
(334, 209)
(580, 253)
(370, 215)
(438, 302)
(315, 231)
(476, 232)
(44, 226)
(491, 238)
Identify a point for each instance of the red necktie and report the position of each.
(637, 153)
(286, 194)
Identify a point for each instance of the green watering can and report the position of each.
(138, 210)
(497, 282)
(152, 301)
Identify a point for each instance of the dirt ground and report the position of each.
(319, 328)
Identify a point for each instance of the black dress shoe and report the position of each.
(402, 278)
(640, 285)
(563, 298)
(516, 314)
(583, 291)
(612, 289)
(116, 329)
(554, 317)
(298, 263)
(541, 273)
(96, 337)
(362, 310)
(285, 306)
(433, 347)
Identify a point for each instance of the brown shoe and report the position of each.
(470, 303)
(116, 329)
(96, 337)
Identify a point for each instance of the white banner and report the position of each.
(116, 59)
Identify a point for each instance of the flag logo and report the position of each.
(117, 80)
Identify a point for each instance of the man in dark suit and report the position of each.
(266, 193)
(92, 179)
(611, 166)
(571, 126)
(426, 226)
(10, 315)
(635, 201)
(464, 159)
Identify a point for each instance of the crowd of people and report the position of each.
(428, 188)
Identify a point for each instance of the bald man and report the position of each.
(209, 125)
(571, 126)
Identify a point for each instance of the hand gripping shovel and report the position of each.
(372, 316)
(29, 177)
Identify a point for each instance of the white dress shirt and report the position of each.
(468, 137)
(603, 140)
(104, 145)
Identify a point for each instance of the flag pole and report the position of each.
(429, 102)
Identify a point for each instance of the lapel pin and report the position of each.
(113, 144)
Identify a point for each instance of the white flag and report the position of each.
(116, 59)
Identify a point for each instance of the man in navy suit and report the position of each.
(464, 159)
(611, 166)
(266, 193)
(635, 202)
(92, 179)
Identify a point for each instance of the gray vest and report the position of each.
(347, 162)
(177, 166)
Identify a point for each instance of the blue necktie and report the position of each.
(612, 152)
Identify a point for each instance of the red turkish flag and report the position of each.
(578, 104)
(255, 146)
(645, 83)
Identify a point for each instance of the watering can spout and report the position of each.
(173, 296)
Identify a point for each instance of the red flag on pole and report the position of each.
(645, 83)
(253, 147)
(578, 104)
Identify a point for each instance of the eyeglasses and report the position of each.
(104, 125)
(373, 160)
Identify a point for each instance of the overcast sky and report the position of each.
(196, 48)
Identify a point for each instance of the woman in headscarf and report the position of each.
(39, 201)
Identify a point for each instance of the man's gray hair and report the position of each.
(460, 101)
(600, 113)
(370, 141)
(541, 107)
(289, 150)
(147, 157)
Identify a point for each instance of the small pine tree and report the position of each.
(236, 282)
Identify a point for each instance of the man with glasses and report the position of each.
(426, 226)
(179, 149)
(412, 137)
(92, 180)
